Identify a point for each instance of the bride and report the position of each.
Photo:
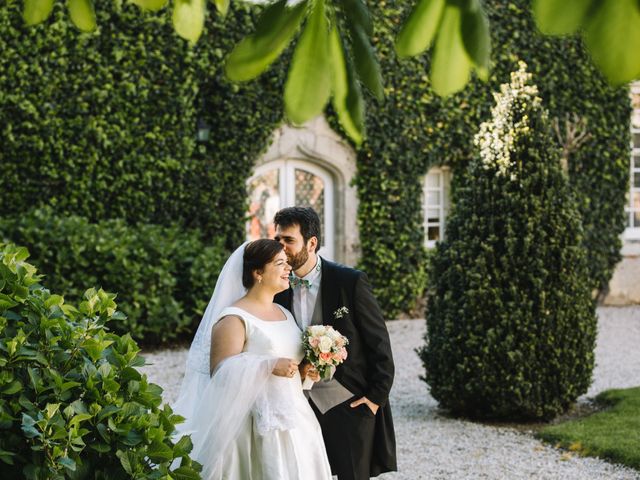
(241, 395)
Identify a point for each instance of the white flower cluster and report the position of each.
(324, 331)
(509, 121)
(341, 312)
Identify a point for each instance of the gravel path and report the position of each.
(432, 446)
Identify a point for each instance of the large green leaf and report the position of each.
(343, 82)
(82, 14)
(11, 388)
(6, 302)
(560, 17)
(127, 459)
(451, 65)
(358, 13)
(366, 62)
(612, 35)
(477, 40)
(222, 6)
(159, 452)
(182, 446)
(273, 33)
(188, 18)
(185, 473)
(152, 5)
(309, 82)
(418, 31)
(36, 11)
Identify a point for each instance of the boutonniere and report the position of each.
(341, 312)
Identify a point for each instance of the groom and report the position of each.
(352, 408)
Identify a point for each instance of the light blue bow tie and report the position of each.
(298, 282)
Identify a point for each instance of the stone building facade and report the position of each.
(313, 165)
(624, 287)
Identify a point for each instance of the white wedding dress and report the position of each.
(252, 425)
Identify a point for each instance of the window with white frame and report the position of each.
(633, 205)
(436, 204)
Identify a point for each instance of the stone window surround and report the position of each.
(444, 201)
(632, 234)
(315, 142)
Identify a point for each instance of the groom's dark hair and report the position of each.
(256, 255)
(305, 217)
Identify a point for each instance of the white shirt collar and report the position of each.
(313, 275)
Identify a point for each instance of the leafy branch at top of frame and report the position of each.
(334, 56)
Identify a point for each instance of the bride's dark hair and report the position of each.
(256, 255)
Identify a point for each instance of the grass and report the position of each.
(612, 433)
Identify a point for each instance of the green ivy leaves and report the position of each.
(611, 30)
(457, 29)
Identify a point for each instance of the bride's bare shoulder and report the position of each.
(230, 322)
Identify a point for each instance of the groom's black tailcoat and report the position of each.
(368, 370)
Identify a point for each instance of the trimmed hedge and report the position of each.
(511, 324)
(72, 403)
(164, 276)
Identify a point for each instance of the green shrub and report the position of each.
(510, 320)
(163, 276)
(72, 404)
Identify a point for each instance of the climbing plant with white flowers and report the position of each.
(510, 120)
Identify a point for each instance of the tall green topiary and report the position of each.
(72, 403)
(510, 320)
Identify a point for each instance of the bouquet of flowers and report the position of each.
(324, 348)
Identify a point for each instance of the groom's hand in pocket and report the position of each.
(372, 406)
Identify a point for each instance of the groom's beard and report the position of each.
(299, 259)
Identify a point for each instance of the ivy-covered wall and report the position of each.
(413, 129)
(96, 124)
(242, 118)
(103, 125)
(101, 128)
